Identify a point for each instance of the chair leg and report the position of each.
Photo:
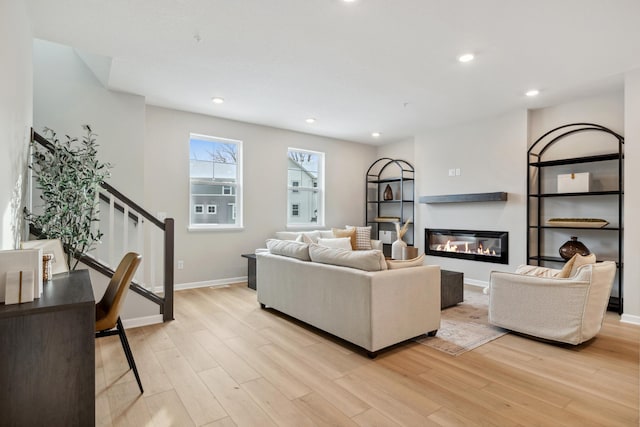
(127, 352)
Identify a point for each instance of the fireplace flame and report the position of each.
(449, 247)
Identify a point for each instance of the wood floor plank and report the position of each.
(383, 402)
(269, 368)
(275, 404)
(196, 397)
(234, 399)
(349, 404)
(234, 365)
(322, 412)
(286, 383)
(373, 418)
(167, 410)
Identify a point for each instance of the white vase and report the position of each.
(396, 248)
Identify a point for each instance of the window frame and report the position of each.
(237, 212)
(318, 188)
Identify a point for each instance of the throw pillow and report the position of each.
(350, 233)
(289, 248)
(572, 265)
(336, 243)
(534, 270)
(371, 260)
(394, 264)
(287, 235)
(363, 237)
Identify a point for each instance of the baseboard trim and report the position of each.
(142, 321)
(207, 283)
(630, 318)
(478, 283)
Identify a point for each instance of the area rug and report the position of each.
(465, 326)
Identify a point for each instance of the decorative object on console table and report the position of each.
(572, 247)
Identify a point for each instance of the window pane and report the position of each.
(305, 197)
(214, 180)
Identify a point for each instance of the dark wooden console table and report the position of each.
(251, 270)
(47, 356)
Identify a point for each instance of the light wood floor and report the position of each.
(226, 362)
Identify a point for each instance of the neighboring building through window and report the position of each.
(215, 179)
(305, 187)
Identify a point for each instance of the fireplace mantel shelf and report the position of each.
(464, 198)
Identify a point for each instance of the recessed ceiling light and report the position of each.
(217, 100)
(375, 134)
(310, 120)
(532, 92)
(466, 57)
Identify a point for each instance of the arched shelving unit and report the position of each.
(399, 176)
(605, 196)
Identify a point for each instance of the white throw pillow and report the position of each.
(394, 264)
(363, 237)
(287, 235)
(336, 243)
(371, 260)
(289, 248)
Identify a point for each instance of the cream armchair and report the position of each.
(567, 310)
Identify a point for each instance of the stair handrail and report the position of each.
(167, 227)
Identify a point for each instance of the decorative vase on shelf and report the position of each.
(388, 193)
(397, 247)
(572, 247)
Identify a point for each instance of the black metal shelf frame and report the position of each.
(535, 161)
(403, 172)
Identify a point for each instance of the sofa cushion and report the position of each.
(350, 233)
(336, 243)
(371, 260)
(415, 262)
(289, 248)
(363, 237)
(571, 266)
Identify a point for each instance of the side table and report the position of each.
(451, 288)
(251, 271)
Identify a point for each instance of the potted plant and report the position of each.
(68, 175)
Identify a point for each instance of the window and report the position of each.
(305, 188)
(215, 179)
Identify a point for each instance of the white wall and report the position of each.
(631, 292)
(68, 95)
(16, 94)
(215, 255)
(491, 157)
(402, 150)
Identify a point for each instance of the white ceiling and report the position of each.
(369, 65)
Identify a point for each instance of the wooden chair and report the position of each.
(108, 309)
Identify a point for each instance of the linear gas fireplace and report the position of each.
(476, 245)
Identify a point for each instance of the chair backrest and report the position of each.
(114, 296)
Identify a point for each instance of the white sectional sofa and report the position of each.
(372, 309)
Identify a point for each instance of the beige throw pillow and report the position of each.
(363, 237)
(350, 233)
(394, 264)
(572, 265)
(371, 260)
